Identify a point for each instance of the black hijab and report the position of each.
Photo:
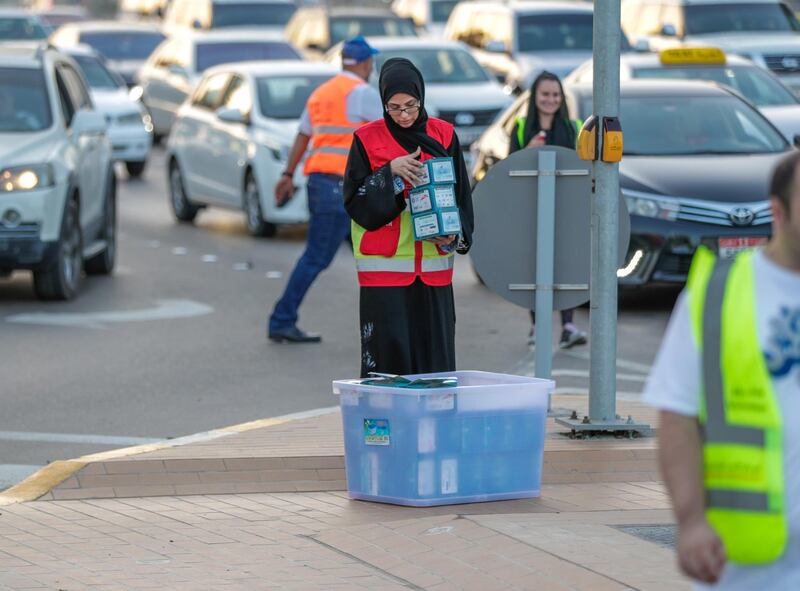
(562, 132)
(399, 75)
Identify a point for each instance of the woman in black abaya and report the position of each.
(407, 313)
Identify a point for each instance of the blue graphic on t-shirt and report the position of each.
(783, 345)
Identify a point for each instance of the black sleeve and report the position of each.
(463, 196)
(513, 141)
(369, 197)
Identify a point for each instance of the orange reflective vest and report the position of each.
(332, 131)
(389, 256)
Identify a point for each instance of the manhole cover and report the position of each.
(663, 535)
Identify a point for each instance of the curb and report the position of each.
(54, 473)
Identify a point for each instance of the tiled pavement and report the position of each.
(566, 540)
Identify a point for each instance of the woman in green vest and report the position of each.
(547, 123)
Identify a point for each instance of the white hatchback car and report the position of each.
(129, 127)
(57, 184)
(232, 137)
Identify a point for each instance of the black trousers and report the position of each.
(407, 330)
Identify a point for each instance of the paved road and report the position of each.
(174, 343)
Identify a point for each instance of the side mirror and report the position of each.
(315, 47)
(796, 141)
(669, 30)
(642, 46)
(496, 46)
(196, 24)
(231, 115)
(88, 123)
(178, 71)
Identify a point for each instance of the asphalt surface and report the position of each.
(174, 342)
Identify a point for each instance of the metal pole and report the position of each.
(545, 243)
(605, 220)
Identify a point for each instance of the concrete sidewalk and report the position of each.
(262, 506)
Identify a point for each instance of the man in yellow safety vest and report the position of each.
(727, 383)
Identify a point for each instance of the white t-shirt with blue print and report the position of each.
(675, 384)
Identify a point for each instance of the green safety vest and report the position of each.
(740, 416)
(576, 123)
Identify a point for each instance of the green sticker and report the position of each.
(376, 432)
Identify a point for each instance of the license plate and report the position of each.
(729, 247)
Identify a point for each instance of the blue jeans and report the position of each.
(327, 229)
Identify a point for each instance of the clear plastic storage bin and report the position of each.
(480, 441)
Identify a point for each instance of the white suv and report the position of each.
(57, 184)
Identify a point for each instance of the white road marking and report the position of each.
(624, 363)
(165, 310)
(243, 266)
(585, 392)
(274, 274)
(210, 258)
(154, 243)
(180, 250)
(74, 438)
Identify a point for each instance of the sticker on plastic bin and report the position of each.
(449, 476)
(376, 432)
(440, 402)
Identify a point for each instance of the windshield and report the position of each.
(284, 97)
(24, 105)
(555, 32)
(53, 20)
(751, 81)
(370, 26)
(21, 28)
(96, 73)
(703, 19)
(441, 9)
(439, 66)
(213, 54)
(252, 14)
(676, 125)
(123, 45)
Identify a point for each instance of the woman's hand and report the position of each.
(441, 240)
(538, 140)
(407, 167)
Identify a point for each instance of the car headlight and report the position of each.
(26, 178)
(136, 93)
(651, 207)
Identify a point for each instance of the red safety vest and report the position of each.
(389, 256)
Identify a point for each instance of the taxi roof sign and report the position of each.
(679, 56)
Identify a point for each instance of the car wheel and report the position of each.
(61, 278)
(184, 210)
(135, 169)
(256, 224)
(103, 262)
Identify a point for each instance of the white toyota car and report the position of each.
(231, 140)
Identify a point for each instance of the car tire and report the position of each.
(256, 225)
(60, 279)
(103, 262)
(135, 169)
(183, 209)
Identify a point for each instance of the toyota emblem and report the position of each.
(465, 119)
(790, 63)
(742, 216)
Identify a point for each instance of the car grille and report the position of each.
(674, 264)
(707, 212)
(23, 231)
(783, 64)
(481, 117)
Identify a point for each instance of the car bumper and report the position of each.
(665, 249)
(130, 144)
(42, 208)
(21, 248)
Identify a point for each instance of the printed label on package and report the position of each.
(424, 176)
(443, 171)
(426, 225)
(376, 432)
(445, 196)
(420, 201)
(451, 223)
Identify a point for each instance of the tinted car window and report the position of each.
(345, 27)
(213, 54)
(251, 14)
(670, 126)
(555, 32)
(441, 9)
(123, 45)
(751, 81)
(21, 28)
(451, 66)
(702, 19)
(210, 91)
(284, 97)
(96, 73)
(24, 105)
(75, 86)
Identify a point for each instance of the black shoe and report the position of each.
(293, 335)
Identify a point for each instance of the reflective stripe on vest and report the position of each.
(393, 265)
(577, 124)
(332, 130)
(740, 417)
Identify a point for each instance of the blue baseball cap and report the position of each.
(356, 50)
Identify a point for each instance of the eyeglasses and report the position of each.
(407, 110)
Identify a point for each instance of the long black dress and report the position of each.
(404, 330)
